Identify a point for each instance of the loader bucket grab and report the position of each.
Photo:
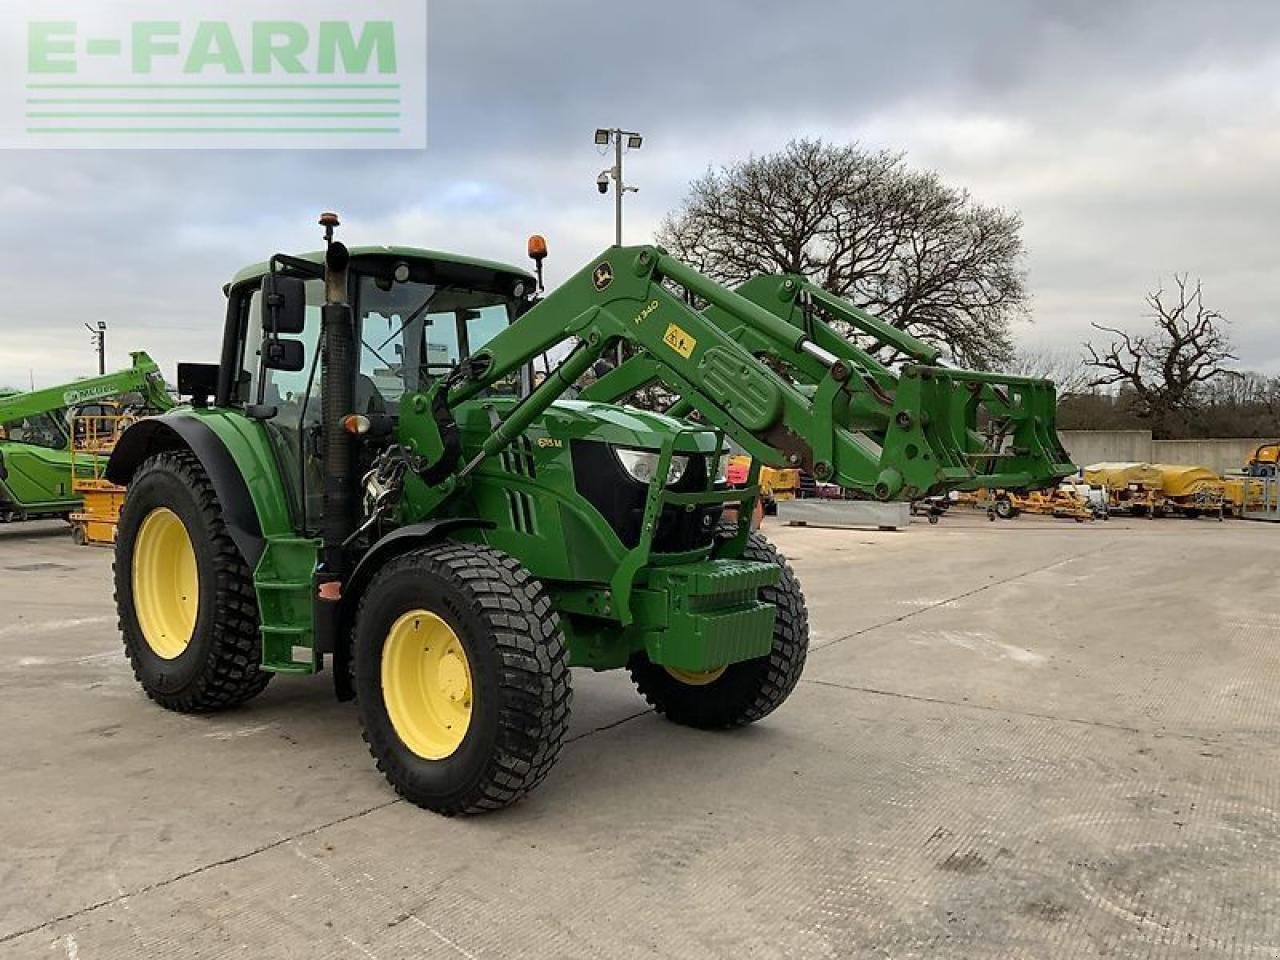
(981, 429)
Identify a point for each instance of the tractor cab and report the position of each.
(418, 314)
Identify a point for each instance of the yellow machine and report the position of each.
(775, 484)
(1265, 461)
(1058, 502)
(1192, 490)
(1158, 489)
(1244, 492)
(1133, 488)
(1062, 502)
(780, 484)
(93, 437)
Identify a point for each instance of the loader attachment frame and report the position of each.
(764, 365)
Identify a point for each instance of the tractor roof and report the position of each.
(259, 270)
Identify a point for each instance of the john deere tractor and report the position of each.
(374, 479)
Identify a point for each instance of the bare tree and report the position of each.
(1060, 366)
(1161, 371)
(895, 241)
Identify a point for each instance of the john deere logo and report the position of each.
(603, 275)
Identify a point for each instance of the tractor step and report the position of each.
(283, 584)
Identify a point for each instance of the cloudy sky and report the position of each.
(1136, 137)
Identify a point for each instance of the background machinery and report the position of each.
(94, 435)
(1264, 460)
(774, 484)
(369, 478)
(37, 478)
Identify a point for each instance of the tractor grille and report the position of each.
(601, 480)
(521, 508)
(518, 459)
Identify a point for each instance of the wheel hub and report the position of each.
(426, 684)
(453, 677)
(696, 678)
(166, 583)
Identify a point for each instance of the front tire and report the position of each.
(184, 594)
(743, 692)
(462, 678)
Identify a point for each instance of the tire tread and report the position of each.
(232, 674)
(535, 682)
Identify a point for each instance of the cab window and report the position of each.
(39, 430)
(412, 333)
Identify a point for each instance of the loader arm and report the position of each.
(998, 429)
(845, 420)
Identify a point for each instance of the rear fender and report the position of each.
(237, 460)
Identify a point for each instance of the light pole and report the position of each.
(99, 335)
(615, 135)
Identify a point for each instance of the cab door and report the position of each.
(294, 432)
(37, 463)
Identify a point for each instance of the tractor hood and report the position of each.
(621, 426)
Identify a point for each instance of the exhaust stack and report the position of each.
(337, 384)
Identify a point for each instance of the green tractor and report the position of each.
(374, 480)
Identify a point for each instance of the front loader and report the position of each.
(373, 479)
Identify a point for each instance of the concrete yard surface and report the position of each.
(1030, 739)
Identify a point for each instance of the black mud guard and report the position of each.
(151, 436)
(398, 541)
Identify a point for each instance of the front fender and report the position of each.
(235, 455)
(398, 541)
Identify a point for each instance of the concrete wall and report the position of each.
(1136, 446)
(1115, 446)
(1218, 455)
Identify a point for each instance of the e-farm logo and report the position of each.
(234, 74)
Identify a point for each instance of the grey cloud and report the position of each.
(1136, 138)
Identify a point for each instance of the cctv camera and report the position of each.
(602, 181)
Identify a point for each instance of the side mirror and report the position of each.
(284, 304)
(287, 355)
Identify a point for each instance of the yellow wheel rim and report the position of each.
(426, 684)
(696, 678)
(166, 583)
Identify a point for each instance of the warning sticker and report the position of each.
(679, 341)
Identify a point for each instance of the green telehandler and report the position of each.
(35, 436)
(373, 478)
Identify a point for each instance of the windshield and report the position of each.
(411, 333)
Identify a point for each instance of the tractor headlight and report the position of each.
(643, 464)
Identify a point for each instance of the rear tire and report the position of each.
(208, 658)
(743, 692)
(479, 722)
